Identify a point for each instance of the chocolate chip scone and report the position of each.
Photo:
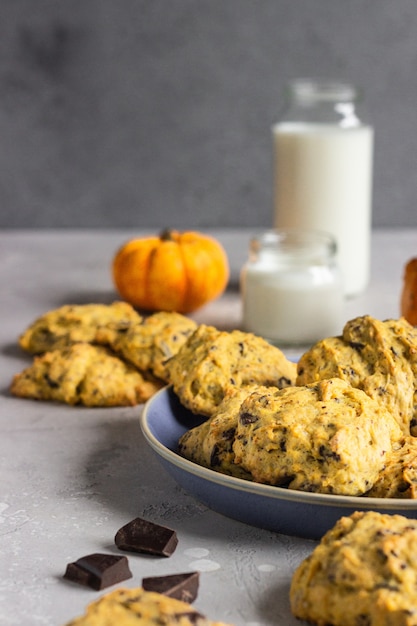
(151, 342)
(74, 323)
(398, 478)
(136, 607)
(211, 443)
(211, 361)
(379, 357)
(326, 437)
(363, 572)
(83, 374)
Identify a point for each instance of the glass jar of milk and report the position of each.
(291, 286)
(323, 153)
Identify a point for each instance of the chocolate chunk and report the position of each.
(139, 535)
(98, 570)
(180, 586)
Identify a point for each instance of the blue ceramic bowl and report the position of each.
(282, 510)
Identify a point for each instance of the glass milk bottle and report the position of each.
(291, 287)
(323, 153)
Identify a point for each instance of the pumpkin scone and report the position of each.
(398, 478)
(211, 443)
(379, 357)
(211, 361)
(74, 323)
(83, 374)
(327, 437)
(151, 342)
(364, 571)
(136, 607)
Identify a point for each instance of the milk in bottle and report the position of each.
(323, 158)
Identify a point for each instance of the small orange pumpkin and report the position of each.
(173, 272)
(408, 303)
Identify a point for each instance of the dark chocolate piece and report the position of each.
(98, 570)
(139, 535)
(180, 586)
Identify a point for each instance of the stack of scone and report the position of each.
(99, 355)
(343, 425)
(109, 355)
(341, 422)
(379, 358)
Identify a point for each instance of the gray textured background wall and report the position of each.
(143, 113)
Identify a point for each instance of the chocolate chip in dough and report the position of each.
(98, 570)
(140, 535)
(180, 586)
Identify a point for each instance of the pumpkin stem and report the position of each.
(166, 234)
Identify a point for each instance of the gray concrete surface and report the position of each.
(72, 476)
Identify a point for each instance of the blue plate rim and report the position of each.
(259, 489)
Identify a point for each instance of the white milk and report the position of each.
(291, 287)
(292, 307)
(323, 181)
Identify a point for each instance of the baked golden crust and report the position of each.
(151, 342)
(211, 443)
(378, 357)
(325, 437)
(74, 323)
(398, 478)
(211, 361)
(364, 571)
(136, 607)
(83, 374)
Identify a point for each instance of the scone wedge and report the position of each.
(74, 323)
(326, 437)
(84, 374)
(211, 361)
(379, 357)
(151, 342)
(363, 572)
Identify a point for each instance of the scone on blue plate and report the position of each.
(211, 443)
(212, 361)
(398, 477)
(327, 437)
(379, 357)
